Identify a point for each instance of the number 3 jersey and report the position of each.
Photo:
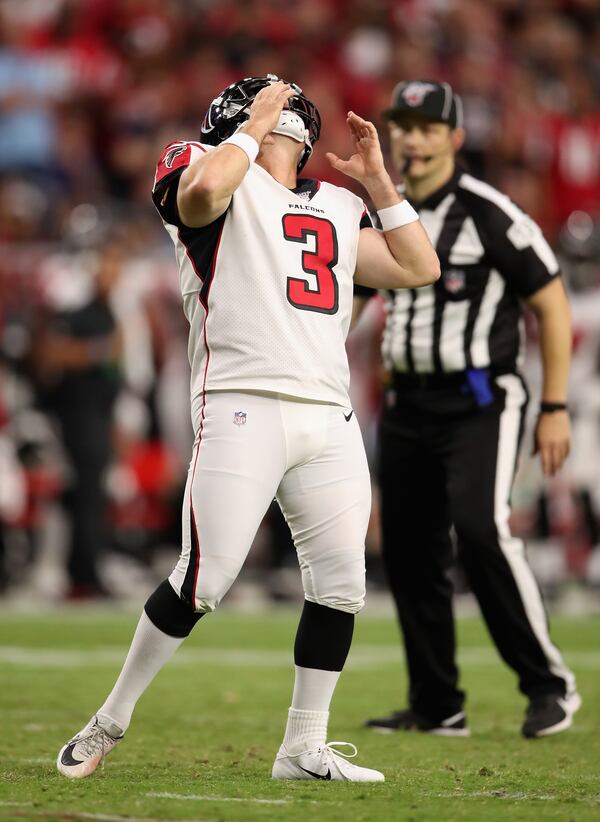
(267, 287)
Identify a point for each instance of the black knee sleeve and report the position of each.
(324, 637)
(169, 613)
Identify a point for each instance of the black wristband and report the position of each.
(551, 407)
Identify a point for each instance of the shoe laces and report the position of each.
(95, 741)
(330, 751)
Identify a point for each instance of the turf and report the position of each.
(203, 738)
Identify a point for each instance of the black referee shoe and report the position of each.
(550, 714)
(409, 720)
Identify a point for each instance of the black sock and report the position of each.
(323, 638)
(169, 613)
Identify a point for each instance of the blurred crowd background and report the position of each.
(95, 433)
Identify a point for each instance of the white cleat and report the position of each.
(323, 763)
(85, 751)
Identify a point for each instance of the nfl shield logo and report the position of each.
(454, 280)
(239, 417)
(415, 93)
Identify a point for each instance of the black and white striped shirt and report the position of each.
(492, 255)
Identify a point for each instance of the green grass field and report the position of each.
(203, 737)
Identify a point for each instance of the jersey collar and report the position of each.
(306, 188)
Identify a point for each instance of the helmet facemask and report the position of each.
(230, 110)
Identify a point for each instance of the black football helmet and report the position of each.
(230, 110)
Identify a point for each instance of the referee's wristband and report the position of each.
(551, 407)
(247, 144)
(397, 215)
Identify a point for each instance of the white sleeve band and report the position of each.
(244, 141)
(397, 215)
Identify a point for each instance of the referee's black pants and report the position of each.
(444, 461)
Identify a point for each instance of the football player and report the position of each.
(267, 264)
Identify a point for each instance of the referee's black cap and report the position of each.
(436, 101)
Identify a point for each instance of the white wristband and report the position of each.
(244, 141)
(397, 215)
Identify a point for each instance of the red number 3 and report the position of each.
(320, 262)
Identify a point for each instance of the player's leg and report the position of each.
(326, 500)
(481, 473)
(236, 467)
(86, 499)
(417, 555)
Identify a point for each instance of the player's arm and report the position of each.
(518, 249)
(207, 185)
(401, 257)
(553, 433)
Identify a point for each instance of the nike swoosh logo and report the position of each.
(67, 758)
(347, 418)
(317, 775)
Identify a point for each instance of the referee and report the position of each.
(453, 420)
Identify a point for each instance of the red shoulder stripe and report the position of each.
(174, 156)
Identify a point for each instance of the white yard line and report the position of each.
(37, 760)
(520, 796)
(8, 804)
(197, 798)
(107, 817)
(364, 656)
(73, 816)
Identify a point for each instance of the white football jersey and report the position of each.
(267, 288)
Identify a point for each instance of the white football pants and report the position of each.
(252, 447)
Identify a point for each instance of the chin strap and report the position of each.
(292, 125)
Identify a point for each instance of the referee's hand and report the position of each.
(552, 440)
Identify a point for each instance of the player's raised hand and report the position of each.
(266, 109)
(367, 161)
